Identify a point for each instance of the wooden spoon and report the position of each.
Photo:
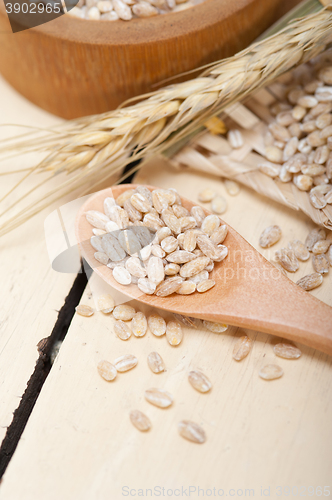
(249, 292)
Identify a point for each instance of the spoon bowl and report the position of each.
(249, 292)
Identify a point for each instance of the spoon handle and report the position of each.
(281, 308)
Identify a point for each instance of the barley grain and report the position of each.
(169, 286)
(218, 236)
(321, 246)
(287, 258)
(232, 187)
(242, 348)
(186, 288)
(205, 285)
(155, 270)
(140, 420)
(106, 370)
(101, 257)
(198, 213)
(199, 381)
(169, 244)
(314, 235)
(271, 372)
(146, 286)
(320, 264)
(191, 431)
(210, 224)
(270, 236)
(286, 351)
(310, 281)
(194, 267)
(206, 195)
(158, 397)
(126, 195)
(157, 325)
(174, 333)
(125, 363)
(155, 362)
(135, 268)
(112, 247)
(106, 303)
(139, 324)
(300, 250)
(98, 232)
(122, 330)
(83, 310)
(180, 257)
(218, 205)
(215, 327)
(121, 275)
(96, 219)
(96, 242)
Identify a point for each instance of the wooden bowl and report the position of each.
(73, 67)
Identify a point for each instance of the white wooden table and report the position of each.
(78, 443)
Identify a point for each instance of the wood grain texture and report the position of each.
(73, 67)
(80, 445)
(31, 293)
(247, 288)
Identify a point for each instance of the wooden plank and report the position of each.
(79, 443)
(31, 292)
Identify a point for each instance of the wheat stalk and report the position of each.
(90, 150)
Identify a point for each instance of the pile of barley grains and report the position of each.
(126, 10)
(183, 251)
(298, 143)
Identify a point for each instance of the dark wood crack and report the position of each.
(42, 369)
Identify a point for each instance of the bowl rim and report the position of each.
(158, 28)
